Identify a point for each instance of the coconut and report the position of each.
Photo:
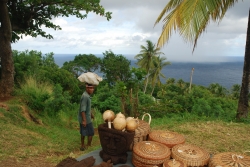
(131, 125)
(120, 115)
(119, 123)
(108, 116)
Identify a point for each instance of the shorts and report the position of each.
(88, 130)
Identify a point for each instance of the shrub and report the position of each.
(34, 93)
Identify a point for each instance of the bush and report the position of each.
(59, 101)
(34, 93)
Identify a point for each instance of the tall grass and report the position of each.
(98, 118)
(35, 93)
(31, 85)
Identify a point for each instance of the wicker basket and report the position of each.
(174, 163)
(141, 133)
(229, 159)
(190, 154)
(149, 154)
(170, 139)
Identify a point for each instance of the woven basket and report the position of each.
(190, 154)
(174, 163)
(170, 139)
(142, 131)
(149, 154)
(228, 159)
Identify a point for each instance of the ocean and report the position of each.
(224, 73)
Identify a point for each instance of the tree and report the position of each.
(115, 68)
(146, 56)
(82, 63)
(235, 91)
(217, 89)
(191, 18)
(155, 73)
(26, 17)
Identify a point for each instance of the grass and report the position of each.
(58, 138)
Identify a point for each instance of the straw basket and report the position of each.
(190, 154)
(229, 159)
(170, 139)
(142, 131)
(150, 154)
(174, 163)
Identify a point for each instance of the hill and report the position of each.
(29, 139)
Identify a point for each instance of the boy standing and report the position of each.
(85, 116)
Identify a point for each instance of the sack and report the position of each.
(90, 78)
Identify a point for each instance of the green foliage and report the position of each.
(44, 68)
(35, 94)
(29, 17)
(26, 63)
(59, 101)
(104, 99)
(171, 98)
(115, 68)
(145, 99)
(235, 91)
(82, 63)
(217, 89)
(98, 118)
(149, 59)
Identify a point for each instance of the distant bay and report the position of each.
(224, 73)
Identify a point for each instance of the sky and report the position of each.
(132, 24)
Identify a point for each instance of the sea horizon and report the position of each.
(226, 72)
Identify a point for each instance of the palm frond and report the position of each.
(190, 18)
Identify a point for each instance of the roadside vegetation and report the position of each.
(40, 120)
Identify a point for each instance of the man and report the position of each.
(85, 115)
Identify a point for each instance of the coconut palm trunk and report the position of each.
(146, 84)
(6, 60)
(242, 111)
(191, 79)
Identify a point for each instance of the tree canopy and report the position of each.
(29, 16)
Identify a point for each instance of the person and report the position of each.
(85, 116)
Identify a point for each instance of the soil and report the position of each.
(29, 162)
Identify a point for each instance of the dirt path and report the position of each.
(39, 161)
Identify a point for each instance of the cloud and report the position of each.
(132, 24)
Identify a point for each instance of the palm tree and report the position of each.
(217, 89)
(191, 18)
(155, 73)
(170, 81)
(235, 91)
(145, 58)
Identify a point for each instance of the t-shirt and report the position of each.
(85, 106)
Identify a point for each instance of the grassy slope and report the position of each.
(22, 138)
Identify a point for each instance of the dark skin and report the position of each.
(89, 90)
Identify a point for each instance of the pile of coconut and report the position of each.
(119, 121)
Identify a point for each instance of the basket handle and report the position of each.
(149, 116)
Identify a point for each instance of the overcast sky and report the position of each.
(132, 24)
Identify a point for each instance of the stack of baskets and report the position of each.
(141, 133)
(174, 163)
(150, 154)
(168, 138)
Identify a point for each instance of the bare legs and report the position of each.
(89, 141)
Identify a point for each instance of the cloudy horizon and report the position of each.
(132, 24)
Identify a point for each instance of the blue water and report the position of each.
(224, 73)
